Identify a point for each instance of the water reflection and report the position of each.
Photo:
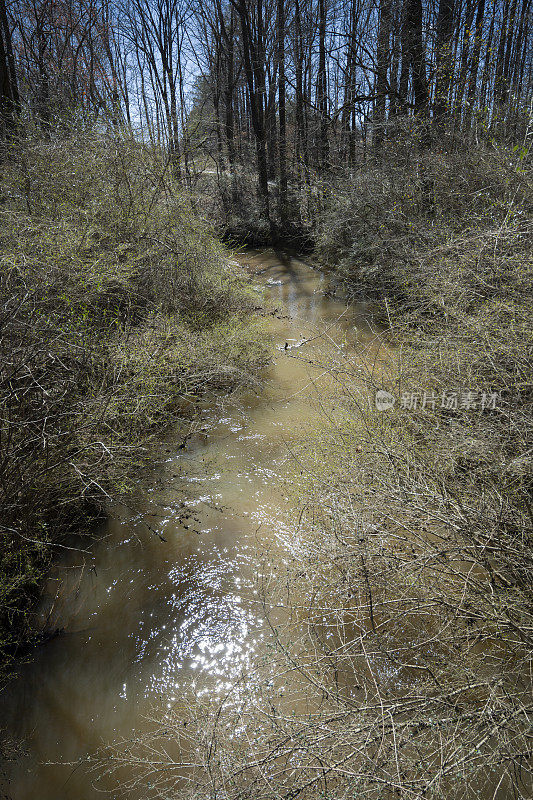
(167, 596)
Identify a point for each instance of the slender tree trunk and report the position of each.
(271, 122)
(349, 84)
(463, 68)
(420, 87)
(413, 57)
(382, 61)
(9, 94)
(282, 150)
(183, 111)
(499, 90)
(403, 83)
(229, 116)
(321, 86)
(301, 139)
(43, 91)
(509, 48)
(255, 82)
(474, 63)
(218, 125)
(443, 55)
(487, 60)
(394, 79)
(521, 50)
(174, 128)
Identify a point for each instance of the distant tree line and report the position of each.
(296, 86)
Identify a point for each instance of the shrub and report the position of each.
(400, 662)
(117, 308)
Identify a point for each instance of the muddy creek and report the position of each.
(145, 609)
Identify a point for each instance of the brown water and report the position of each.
(146, 610)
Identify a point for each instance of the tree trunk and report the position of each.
(474, 63)
(321, 85)
(403, 83)
(349, 85)
(382, 62)
(228, 95)
(420, 87)
(521, 50)
(271, 123)
(282, 150)
(509, 47)
(301, 139)
(174, 129)
(444, 65)
(463, 69)
(394, 80)
(9, 94)
(253, 68)
(498, 74)
(487, 59)
(413, 57)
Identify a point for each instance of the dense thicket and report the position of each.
(401, 613)
(116, 313)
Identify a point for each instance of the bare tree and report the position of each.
(9, 94)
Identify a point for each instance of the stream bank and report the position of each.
(150, 607)
(303, 515)
(114, 317)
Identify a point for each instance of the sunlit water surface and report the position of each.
(147, 609)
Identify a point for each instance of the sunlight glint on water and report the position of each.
(154, 609)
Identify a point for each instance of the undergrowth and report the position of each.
(402, 624)
(118, 311)
(416, 562)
